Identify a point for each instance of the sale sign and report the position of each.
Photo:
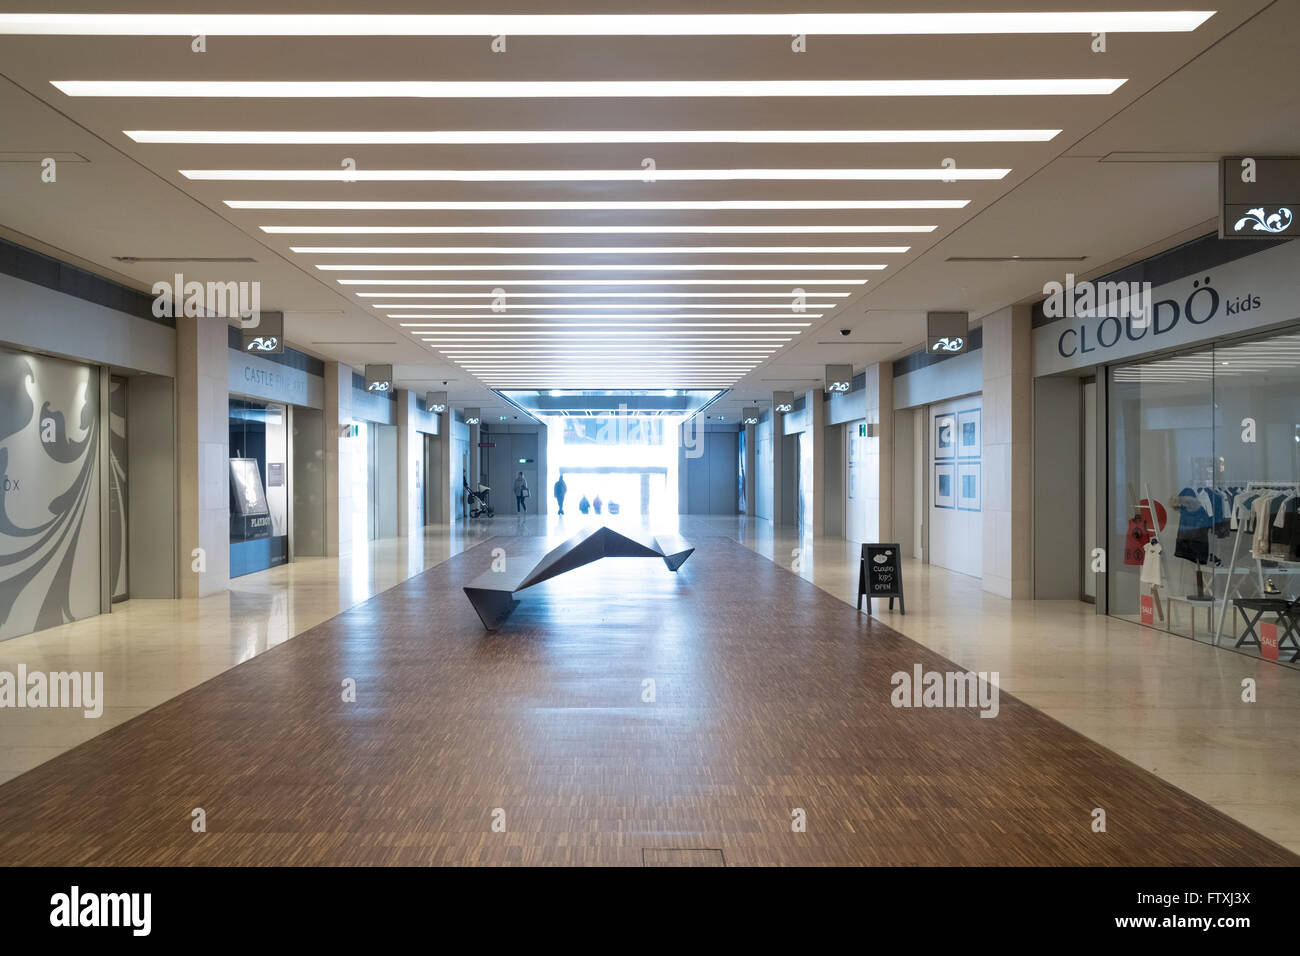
(1148, 610)
(1268, 641)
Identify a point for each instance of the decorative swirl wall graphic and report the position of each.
(49, 509)
(1260, 221)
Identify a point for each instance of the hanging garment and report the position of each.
(1137, 536)
(1153, 568)
(1261, 521)
(1193, 541)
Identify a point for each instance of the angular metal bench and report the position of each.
(492, 593)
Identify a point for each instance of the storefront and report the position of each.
(87, 445)
(276, 467)
(1196, 406)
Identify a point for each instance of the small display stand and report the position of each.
(880, 575)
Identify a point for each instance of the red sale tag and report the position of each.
(1268, 641)
(1148, 609)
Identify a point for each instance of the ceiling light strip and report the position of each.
(604, 295)
(595, 250)
(586, 137)
(606, 267)
(584, 89)
(600, 283)
(578, 229)
(765, 174)
(602, 24)
(708, 205)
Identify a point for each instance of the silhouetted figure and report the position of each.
(521, 492)
(584, 505)
(596, 504)
(561, 489)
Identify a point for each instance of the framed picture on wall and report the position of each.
(945, 482)
(968, 486)
(945, 436)
(969, 439)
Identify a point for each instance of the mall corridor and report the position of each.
(584, 437)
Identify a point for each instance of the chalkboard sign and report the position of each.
(880, 575)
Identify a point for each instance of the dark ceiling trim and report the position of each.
(40, 269)
(924, 359)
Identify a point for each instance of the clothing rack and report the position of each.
(1229, 592)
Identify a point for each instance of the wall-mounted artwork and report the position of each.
(968, 486)
(969, 440)
(945, 436)
(49, 504)
(945, 481)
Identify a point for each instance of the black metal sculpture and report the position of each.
(493, 592)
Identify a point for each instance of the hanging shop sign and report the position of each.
(1244, 295)
(880, 575)
(263, 333)
(379, 378)
(750, 416)
(1259, 198)
(839, 378)
(947, 333)
(435, 402)
(782, 402)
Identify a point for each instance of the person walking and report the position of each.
(596, 504)
(561, 489)
(584, 505)
(521, 492)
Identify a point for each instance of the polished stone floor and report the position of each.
(1170, 705)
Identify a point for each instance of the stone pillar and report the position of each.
(410, 455)
(473, 476)
(338, 459)
(814, 402)
(1007, 452)
(751, 501)
(203, 454)
(779, 516)
(878, 452)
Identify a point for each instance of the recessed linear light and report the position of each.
(609, 295)
(601, 24)
(438, 137)
(614, 332)
(765, 174)
(559, 350)
(582, 89)
(708, 205)
(1015, 258)
(610, 311)
(609, 267)
(595, 250)
(545, 323)
(578, 229)
(601, 283)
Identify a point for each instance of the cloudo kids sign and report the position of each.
(1243, 295)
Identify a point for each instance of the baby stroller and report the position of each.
(478, 503)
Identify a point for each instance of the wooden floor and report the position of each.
(771, 696)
